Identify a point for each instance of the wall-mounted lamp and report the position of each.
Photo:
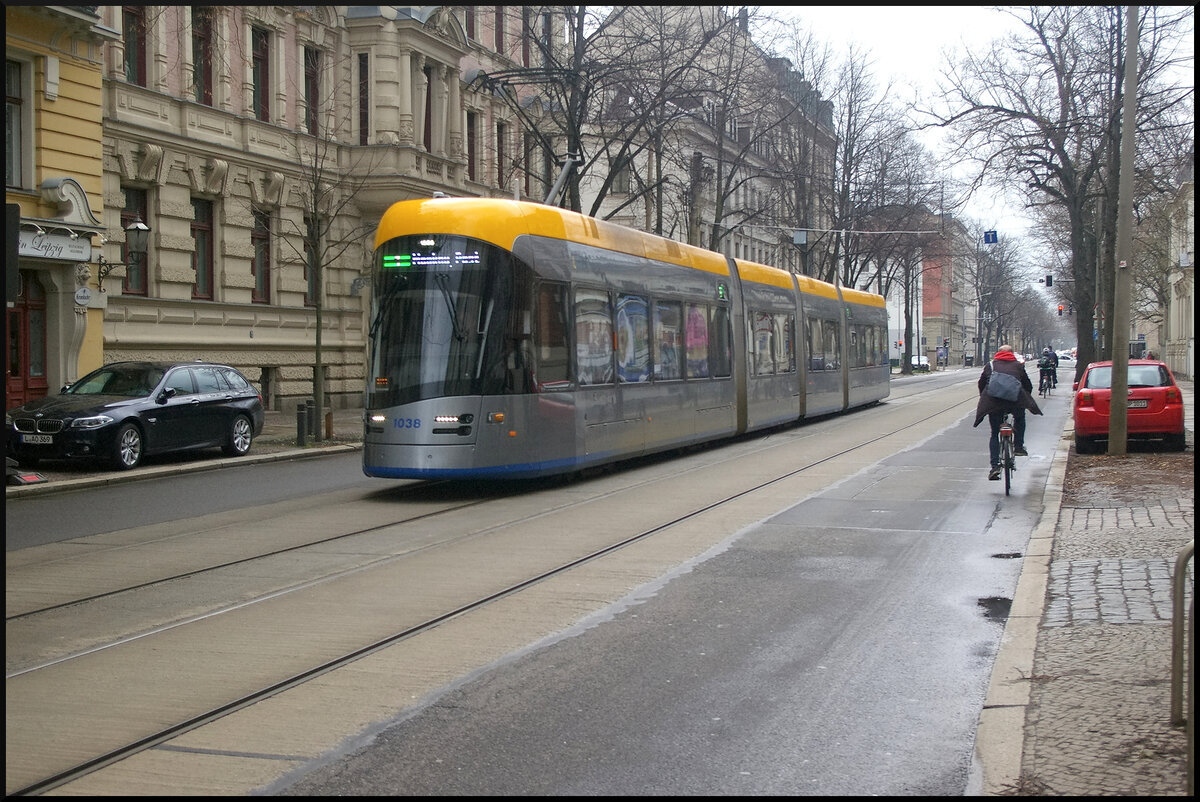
(357, 285)
(137, 239)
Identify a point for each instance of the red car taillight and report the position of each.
(1084, 398)
(1174, 396)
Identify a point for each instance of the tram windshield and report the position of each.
(446, 319)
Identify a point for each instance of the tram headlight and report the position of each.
(464, 418)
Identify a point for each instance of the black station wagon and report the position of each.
(126, 410)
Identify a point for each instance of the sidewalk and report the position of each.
(1080, 697)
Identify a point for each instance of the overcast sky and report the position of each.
(906, 44)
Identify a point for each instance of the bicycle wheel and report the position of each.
(1007, 461)
(1008, 457)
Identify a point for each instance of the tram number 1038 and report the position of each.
(406, 423)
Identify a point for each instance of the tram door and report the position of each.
(26, 360)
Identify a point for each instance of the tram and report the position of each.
(515, 340)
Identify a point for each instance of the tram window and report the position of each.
(633, 339)
(550, 338)
(720, 354)
(823, 344)
(762, 343)
(831, 344)
(593, 337)
(668, 340)
(696, 334)
(785, 353)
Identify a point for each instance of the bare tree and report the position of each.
(1040, 113)
(323, 228)
(600, 92)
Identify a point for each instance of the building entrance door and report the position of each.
(26, 358)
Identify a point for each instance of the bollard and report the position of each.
(311, 410)
(329, 425)
(301, 424)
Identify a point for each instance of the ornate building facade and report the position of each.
(54, 195)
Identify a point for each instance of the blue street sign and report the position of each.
(989, 237)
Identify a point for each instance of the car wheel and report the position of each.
(241, 432)
(127, 449)
(1175, 442)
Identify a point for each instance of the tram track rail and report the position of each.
(751, 451)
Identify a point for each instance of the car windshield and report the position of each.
(1139, 376)
(128, 381)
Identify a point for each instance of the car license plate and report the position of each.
(1138, 403)
(37, 439)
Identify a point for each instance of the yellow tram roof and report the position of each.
(500, 222)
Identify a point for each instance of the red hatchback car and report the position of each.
(1155, 405)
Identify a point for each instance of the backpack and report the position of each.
(1045, 362)
(1002, 386)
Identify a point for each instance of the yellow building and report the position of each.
(54, 176)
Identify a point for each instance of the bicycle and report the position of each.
(1045, 383)
(1008, 450)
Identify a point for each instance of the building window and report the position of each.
(260, 264)
(500, 30)
(428, 127)
(202, 54)
(133, 20)
(529, 156)
(364, 100)
(472, 144)
(546, 34)
(312, 247)
(260, 50)
(501, 154)
(312, 88)
(469, 15)
(202, 253)
(622, 179)
(15, 112)
(136, 208)
(526, 36)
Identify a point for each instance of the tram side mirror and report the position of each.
(166, 395)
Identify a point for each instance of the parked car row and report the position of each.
(125, 411)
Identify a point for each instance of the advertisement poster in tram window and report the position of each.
(593, 337)
(633, 339)
(697, 341)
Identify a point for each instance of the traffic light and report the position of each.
(899, 343)
(1049, 280)
(1060, 308)
(946, 341)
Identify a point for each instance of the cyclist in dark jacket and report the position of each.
(1005, 361)
(1048, 366)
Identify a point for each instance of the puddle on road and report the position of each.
(995, 608)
